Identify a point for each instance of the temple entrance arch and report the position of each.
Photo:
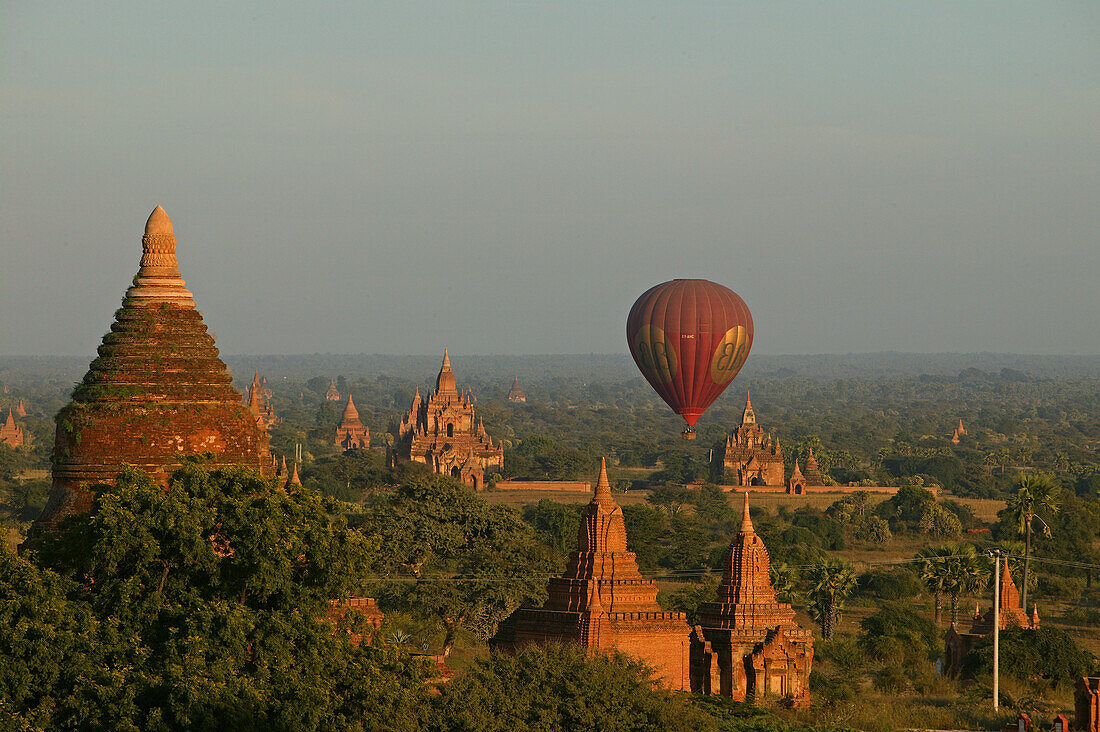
(757, 480)
(456, 473)
(450, 429)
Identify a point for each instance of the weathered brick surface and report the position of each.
(747, 645)
(157, 392)
(602, 601)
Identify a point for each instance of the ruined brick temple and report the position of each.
(351, 433)
(746, 644)
(603, 602)
(157, 392)
(748, 456)
(444, 433)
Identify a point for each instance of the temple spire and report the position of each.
(294, 480)
(603, 485)
(749, 416)
(158, 280)
(746, 521)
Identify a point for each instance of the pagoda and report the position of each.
(515, 394)
(352, 434)
(157, 392)
(444, 433)
(603, 602)
(746, 645)
(259, 403)
(11, 434)
(20, 409)
(749, 456)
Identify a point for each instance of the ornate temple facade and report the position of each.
(157, 392)
(11, 434)
(515, 394)
(603, 602)
(444, 433)
(1011, 616)
(748, 456)
(746, 645)
(259, 403)
(351, 433)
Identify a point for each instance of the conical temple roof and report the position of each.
(157, 392)
(445, 383)
(351, 414)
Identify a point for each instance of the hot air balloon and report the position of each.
(689, 339)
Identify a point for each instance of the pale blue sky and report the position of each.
(508, 177)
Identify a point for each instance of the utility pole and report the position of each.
(996, 627)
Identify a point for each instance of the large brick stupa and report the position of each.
(603, 602)
(157, 392)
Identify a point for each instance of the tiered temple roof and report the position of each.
(746, 644)
(749, 456)
(11, 434)
(602, 601)
(352, 433)
(515, 394)
(259, 402)
(445, 433)
(157, 392)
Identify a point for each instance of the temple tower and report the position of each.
(748, 456)
(444, 433)
(746, 645)
(157, 392)
(515, 394)
(11, 434)
(351, 433)
(602, 601)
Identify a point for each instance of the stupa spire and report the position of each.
(746, 521)
(158, 279)
(294, 480)
(603, 485)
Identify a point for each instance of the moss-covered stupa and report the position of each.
(157, 392)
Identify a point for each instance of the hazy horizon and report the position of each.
(503, 179)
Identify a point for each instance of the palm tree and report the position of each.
(832, 581)
(953, 570)
(965, 573)
(933, 560)
(784, 579)
(1036, 492)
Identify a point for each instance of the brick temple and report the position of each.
(351, 433)
(333, 394)
(603, 602)
(1011, 616)
(11, 434)
(515, 394)
(444, 433)
(259, 403)
(746, 644)
(157, 392)
(748, 456)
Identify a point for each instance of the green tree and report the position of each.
(453, 557)
(831, 582)
(1034, 493)
(561, 688)
(201, 606)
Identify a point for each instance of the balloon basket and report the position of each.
(688, 434)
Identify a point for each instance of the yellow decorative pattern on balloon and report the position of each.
(730, 354)
(654, 354)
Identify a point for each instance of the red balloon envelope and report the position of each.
(689, 339)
